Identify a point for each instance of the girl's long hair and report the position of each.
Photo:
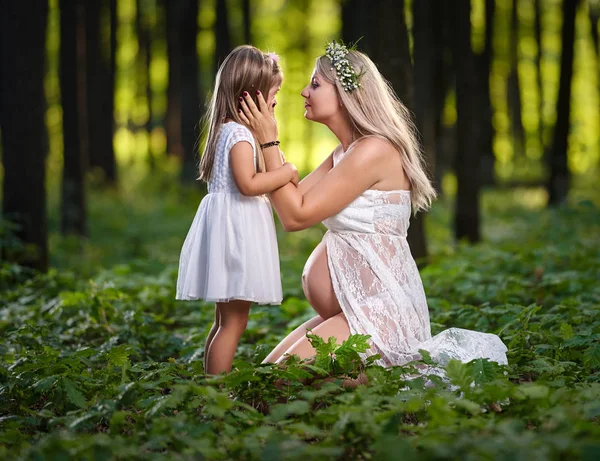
(375, 110)
(246, 68)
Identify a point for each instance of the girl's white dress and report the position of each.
(230, 251)
(378, 285)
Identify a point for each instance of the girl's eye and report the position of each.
(314, 85)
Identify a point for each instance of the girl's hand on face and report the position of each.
(261, 121)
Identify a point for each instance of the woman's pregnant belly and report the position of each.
(316, 283)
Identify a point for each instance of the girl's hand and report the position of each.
(261, 121)
(295, 176)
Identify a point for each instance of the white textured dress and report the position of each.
(230, 251)
(378, 285)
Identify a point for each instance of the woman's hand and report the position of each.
(261, 121)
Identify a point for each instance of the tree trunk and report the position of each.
(538, 65)
(72, 87)
(246, 11)
(22, 58)
(424, 71)
(514, 86)
(173, 115)
(558, 185)
(358, 23)
(190, 90)
(484, 66)
(100, 85)
(144, 87)
(444, 84)
(395, 64)
(222, 36)
(467, 161)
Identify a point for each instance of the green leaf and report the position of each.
(280, 412)
(483, 371)
(73, 394)
(459, 374)
(591, 356)
(566, 331)
(119, 355)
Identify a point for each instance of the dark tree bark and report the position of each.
(594, 18)
(538, 65)
(484, 66)
(359, 19)
(558, 184)
(72, 87)
(190, 90)
(144, 87)
(467, 161)
(444, 84)
(425, 75)
(100, 84)
(514, 86)
(173, 116)
(222, 35)
(246, 12)
(395, 64)
(22, 58)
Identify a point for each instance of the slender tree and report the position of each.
(173, 11)
(222, 35)
(395, 64)
(190, 89)
(467, 160)
(514, 85)
(72, 87)
(484, 67)
(558, 184)
(246, 14)
(22, 59)
(538, 65)
(100, 84)
(425, 77)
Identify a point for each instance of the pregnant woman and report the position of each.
(362, 277)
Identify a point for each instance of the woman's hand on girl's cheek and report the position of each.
(262, 121)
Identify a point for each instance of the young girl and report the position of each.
(230, 254)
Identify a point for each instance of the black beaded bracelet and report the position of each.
(269, 144)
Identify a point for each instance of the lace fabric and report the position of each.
(379, 288)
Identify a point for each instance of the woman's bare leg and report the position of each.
(291, 339)
(211, 335)
(336, 326)
(316, 283)
(233, 319)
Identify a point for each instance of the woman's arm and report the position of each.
(356, 172)
(251, 183)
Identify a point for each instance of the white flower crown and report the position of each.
(345, 73)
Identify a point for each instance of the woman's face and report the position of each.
(321, 101)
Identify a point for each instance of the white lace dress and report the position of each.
(378, 285)
(230, 251)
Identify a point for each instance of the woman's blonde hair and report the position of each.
(375, 110)
(246, 68)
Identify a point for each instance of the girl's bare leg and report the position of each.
(291, 339)
(211, 335)
(336, 326)
(233, 319)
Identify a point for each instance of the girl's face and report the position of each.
(272, 97)
(321, 101)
